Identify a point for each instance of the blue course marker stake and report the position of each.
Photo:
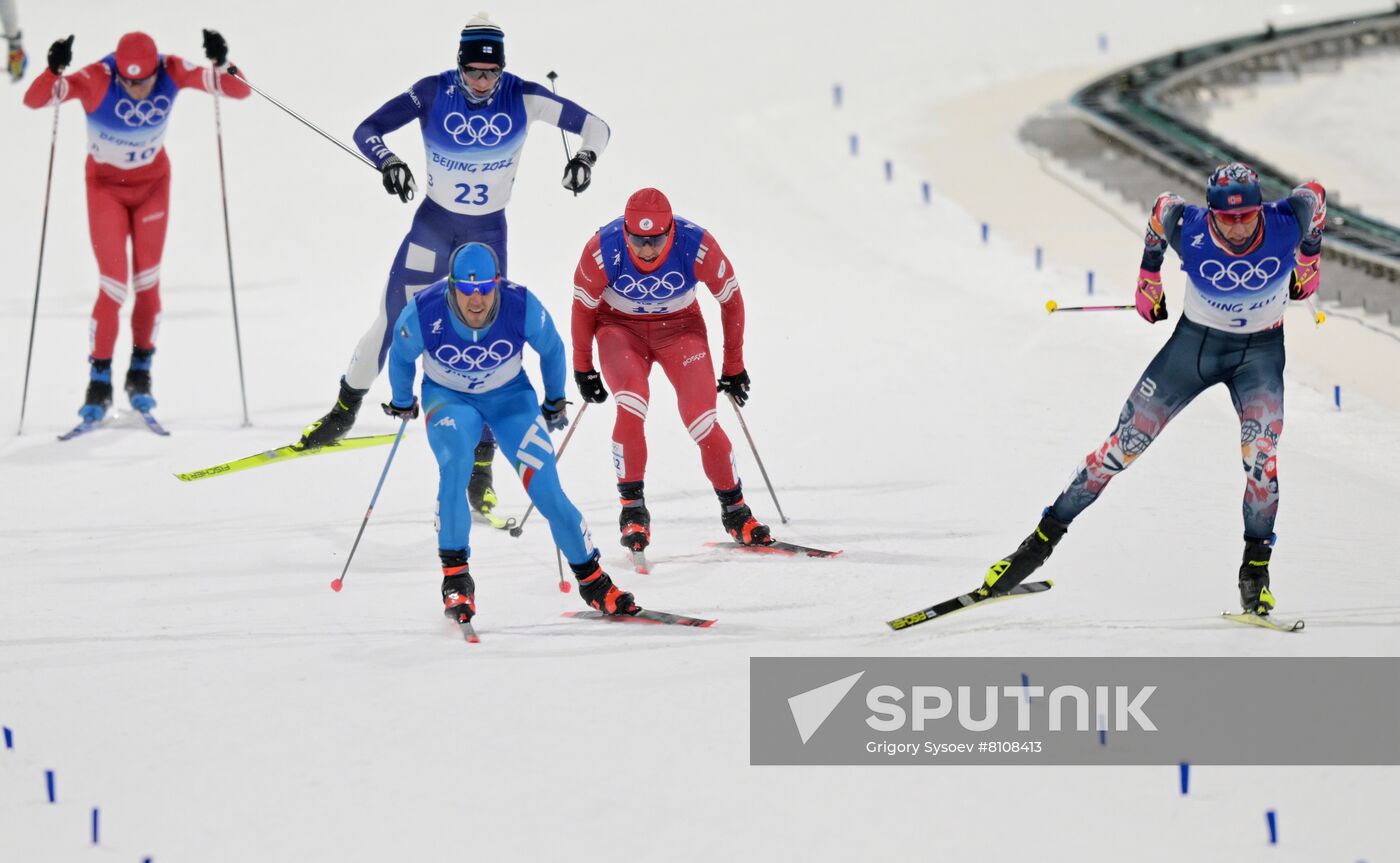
(836, 95)
(1272, 818)
(855, 145)
(48, 778)
(1185, 777)
(1091, 283)
(1039, 257)
(986, 229)
(1025, 685)
(928, 192)
(889, 170)
(1103, 43)
(1336, 397)
(9, 738)
(1103, 731)
(94, 825)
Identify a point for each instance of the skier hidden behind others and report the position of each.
(16, 61)
(471, 329)
(634, 290)
(1244, 259)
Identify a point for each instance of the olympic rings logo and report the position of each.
(147, 112)
(1240, 274)
(477, 129)
(650, 287)
(475, 358)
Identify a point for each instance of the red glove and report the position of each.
(1306, 277)
(1151, 305)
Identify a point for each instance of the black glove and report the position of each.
(60, 55)
(590, 386)
(555, 414)
(398, 179)
(215, 48)
(398, 413)
(736, 386)
(579, 171)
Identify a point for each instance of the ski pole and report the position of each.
(1051, 307)
(228, 247)
(565, 141)
(338, 583)
(355, 153)
(515, 529)
(559, 560)
(39, 276)
(1319, 318)
(761, 469)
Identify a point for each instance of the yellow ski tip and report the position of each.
(1051, 306)
(493, 520)
(1050, 581)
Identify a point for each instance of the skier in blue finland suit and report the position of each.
(474, 119)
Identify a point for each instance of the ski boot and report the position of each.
(480, 495)
(333, 426)
(738, 519)
(99, 391)
(635, 521)
(138, 380)
(598, 590)
(458, 589)
(1026, 559)
(1255, 597)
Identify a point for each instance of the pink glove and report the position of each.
(1306, 277)
(1151, 305)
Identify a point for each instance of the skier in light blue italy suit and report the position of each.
(471, 329)
(474, 119)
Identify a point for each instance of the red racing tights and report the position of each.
(117, 213)
(627, 348)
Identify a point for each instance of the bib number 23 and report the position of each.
(465, 191)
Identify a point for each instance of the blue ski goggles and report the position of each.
(470, 287)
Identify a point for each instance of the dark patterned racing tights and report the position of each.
(1193, 359)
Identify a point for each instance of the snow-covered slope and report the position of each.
(173, 651)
